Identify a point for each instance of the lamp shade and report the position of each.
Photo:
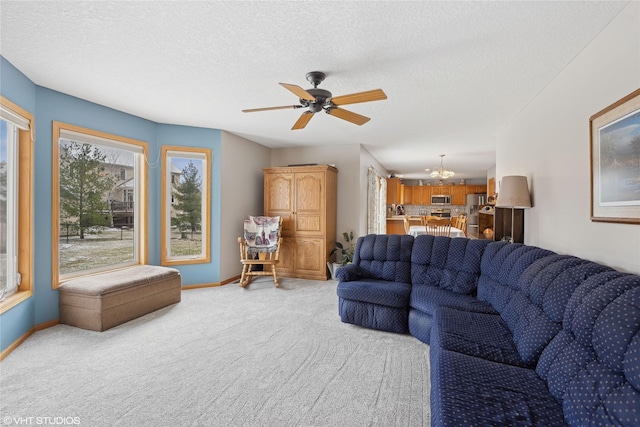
(514, 192)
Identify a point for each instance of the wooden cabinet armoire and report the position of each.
(306, 198)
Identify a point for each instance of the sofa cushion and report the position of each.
(475, 334)
(502, 265)
(470, 391)
(452, 264)
(384, 257)
(535, 311)
(428, 298)
(392, 294)
(592, 365)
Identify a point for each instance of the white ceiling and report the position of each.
(454, 72)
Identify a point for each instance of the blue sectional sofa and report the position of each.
(518, 335)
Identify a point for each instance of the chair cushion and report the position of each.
(261, 233)
(392, 294)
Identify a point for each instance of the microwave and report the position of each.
(440, 199)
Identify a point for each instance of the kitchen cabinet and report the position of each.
(305, 197)
(441, 189)
(421, 194)
(407, 197)
(394, 191)
(426, 194)
(458, 195)
(476, 189)
(417, 195)
(396, 225)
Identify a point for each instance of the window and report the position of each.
(99, 219)
(9, 170)
(185, 205)
(16, 204)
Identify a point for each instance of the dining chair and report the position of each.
(407, 223)
(260, 245)
(439, 227)
(425, 218)
(462, 224)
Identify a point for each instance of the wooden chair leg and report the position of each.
(242, 284)
(275, 277)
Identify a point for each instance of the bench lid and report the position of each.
(112, 281)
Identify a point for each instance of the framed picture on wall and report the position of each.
(615, 161)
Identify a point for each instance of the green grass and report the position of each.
(104, 248)
(187, 246)
(110, 247)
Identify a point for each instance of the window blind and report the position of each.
(97, 140)
(14, 118)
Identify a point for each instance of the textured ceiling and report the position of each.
(454, 72)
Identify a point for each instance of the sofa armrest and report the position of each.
(349, 273)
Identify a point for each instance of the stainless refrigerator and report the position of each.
(473, 202)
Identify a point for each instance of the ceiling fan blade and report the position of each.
(299, 92)
(284, 107)
(303, 120)
(349, 116)
(354, 98)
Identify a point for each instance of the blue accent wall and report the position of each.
(47, 106)
(186, 136)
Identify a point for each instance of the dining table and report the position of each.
(416, 230)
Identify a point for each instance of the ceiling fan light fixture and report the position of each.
(316, 100)
(442, 172)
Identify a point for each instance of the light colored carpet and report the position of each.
(224, 356)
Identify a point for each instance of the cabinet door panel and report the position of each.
(287, 255)
(395, 227)
(309, 224)
(279, 192)
(309, 193)
(310, 257)
(458, 195)
(409, 195)
(440, 189)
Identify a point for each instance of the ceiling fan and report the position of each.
(320, 99)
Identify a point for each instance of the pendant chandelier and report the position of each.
(441, 172)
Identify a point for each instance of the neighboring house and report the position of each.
(175, 180)
(121, 198)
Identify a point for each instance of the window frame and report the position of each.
(166, 198)
(141, 236)
(25, 207)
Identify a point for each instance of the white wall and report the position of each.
(242, 194)
(347, 161)
(549, 143)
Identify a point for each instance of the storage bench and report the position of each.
(105, 300)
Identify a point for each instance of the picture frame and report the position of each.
(614, 134)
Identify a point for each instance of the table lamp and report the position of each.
(514, 194)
